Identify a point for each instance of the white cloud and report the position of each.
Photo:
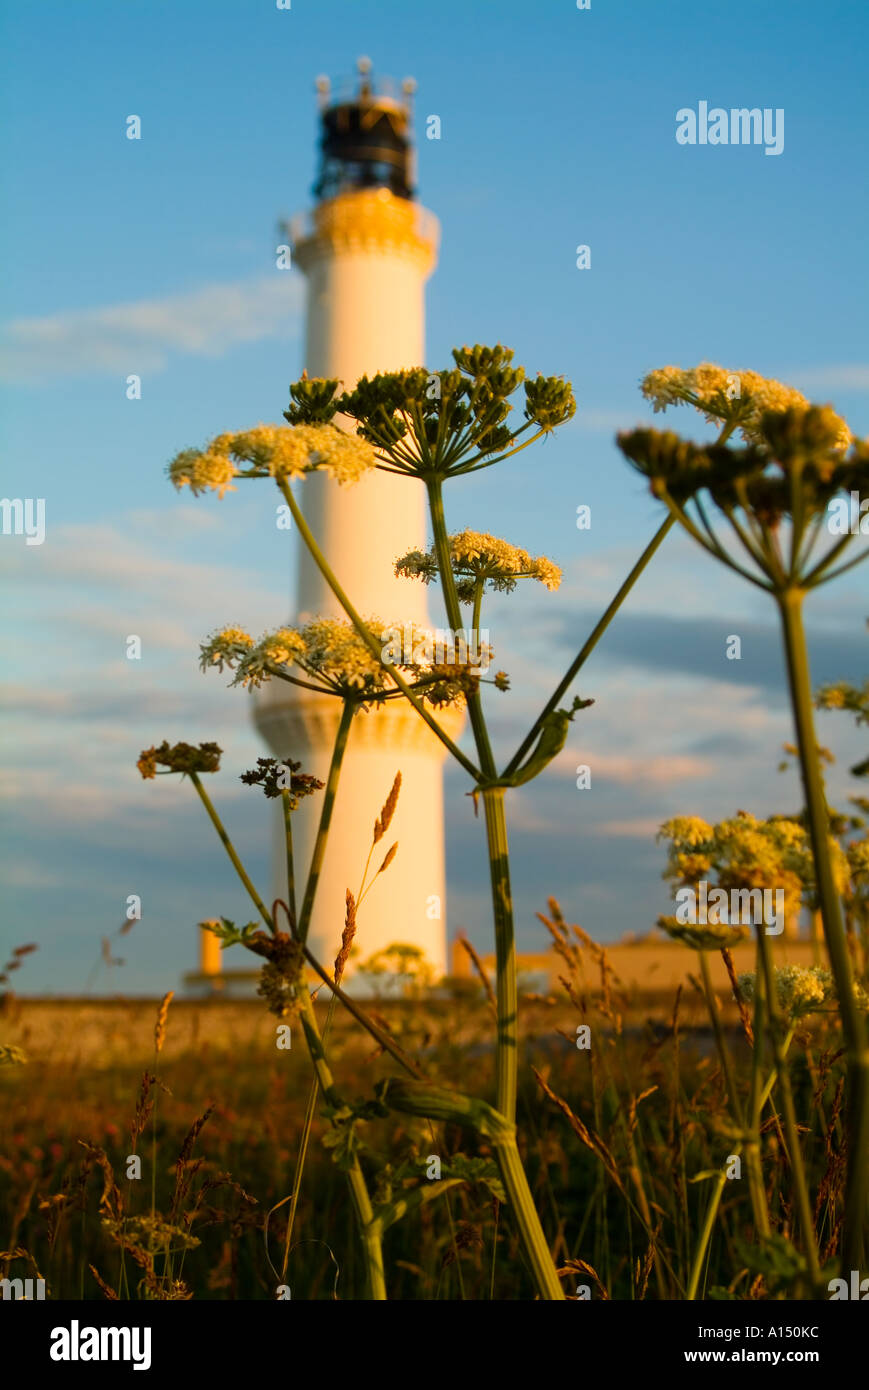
(82, 711)
(117, 557)
(93, 797)
(633, 828)
(604, 421)
(141, 335)
(849, 376)
(631, 770)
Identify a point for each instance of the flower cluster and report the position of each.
(673, 466)
(690, 854)
(708, 936)
(283, 976)
(226, 647)
(741, 397)
(331, 655)
(549, 402)
(277, 451)
(858, 859)
(312, 401)
(797, 458)
(771, 854)
(276, 778)
(180, 757)
(329, 650)
(477, 560)
(854, 699)
(799, 990)
(449, 683)
(436, 424)
(205, 470)
(418, 422)
(746, 853)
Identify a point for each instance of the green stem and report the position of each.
(753, 1155)
(811, 579)
(436, 1103)
(494, 1249)
(590, 644)
(712, 1007)
(834, 574)
(475, 618)
(454, 618)
(525, 1213)
(154, 1143)
(291, 872)
(315, 1085)
(230, 849)
(715, 1201)
(386, 1042)
(370, 642)
(348, 709)
(853, 1025)
(368, 1227)
(300, 1167)
(507, 1054)
(776, 1030)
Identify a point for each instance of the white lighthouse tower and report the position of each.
(366, 250)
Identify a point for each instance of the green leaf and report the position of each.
(553, 736)
(229, 934)
(780, 1263)
(475, 1170)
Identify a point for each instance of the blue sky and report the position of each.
(156, 257)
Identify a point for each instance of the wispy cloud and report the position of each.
(143, 334)
(629, 770)
(848, 376)
(605, 421)
(633, 828)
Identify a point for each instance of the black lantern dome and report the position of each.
(366, 138)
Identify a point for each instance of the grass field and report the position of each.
(613, 1150)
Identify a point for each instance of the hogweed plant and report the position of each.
(435, 428)
(765, 510)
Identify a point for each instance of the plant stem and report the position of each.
(315, 1085)
(300, 1167)
(753, 1154)
(585, 651)
(715, 1199)
(853, 1025)
(436, 1103)
(776, 1030)
(230, 849)
(291, 872)
(386, 1042)
(348, 709)
(368, 1227)
(507, 1052)
(712, 1007)
(525, 1213)
(475, 616)
(324, 568)
(454, 618)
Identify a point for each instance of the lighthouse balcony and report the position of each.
(363, 216)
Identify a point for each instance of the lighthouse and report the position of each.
(366, 250)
